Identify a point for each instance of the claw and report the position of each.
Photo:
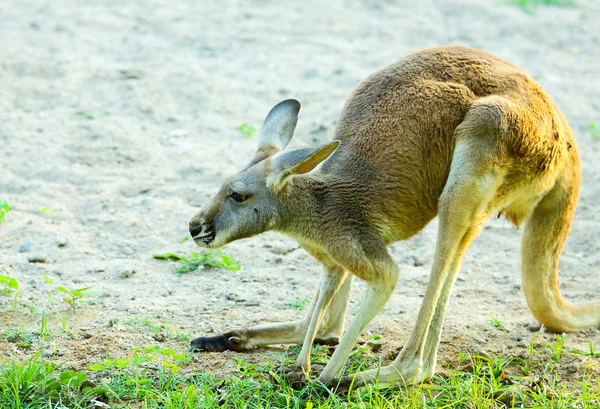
(296, 379)
(230, 341)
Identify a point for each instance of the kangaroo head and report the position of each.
(249, 202)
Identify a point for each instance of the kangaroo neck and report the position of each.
(302, 202)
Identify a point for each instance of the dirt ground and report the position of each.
(118, 120)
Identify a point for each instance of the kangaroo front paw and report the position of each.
(232, 341)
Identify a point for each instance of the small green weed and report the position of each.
(246, 130)
(297, 304)
(10, 286)
(556, 350)
(198, 262)
(529, 5)
(594, 132)
(496, 323)
(20, 337)
(72, 296)
(4, 209)
(44, 325)
(47, 210)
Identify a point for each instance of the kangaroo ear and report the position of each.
(278, 129)
(286, 165)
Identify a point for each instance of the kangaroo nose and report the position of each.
(196, 225)
(195, 230)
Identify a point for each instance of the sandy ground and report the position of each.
(119, 118)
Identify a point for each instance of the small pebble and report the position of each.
(418, 261)
(572, 368)
(25, 247)
(128, 251)
(534, 326)
(234, 297)
(252, 302)
(126, 272)
(37, 258)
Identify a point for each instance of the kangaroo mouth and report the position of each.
(205, 238)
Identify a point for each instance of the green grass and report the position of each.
(197, 262)
(495, 322)
(4, 209)
(157, 329)
(529, 5)
(297, 304)
(246, 130)
(156, 377)
(47, 210)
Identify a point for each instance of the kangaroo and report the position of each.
(447, 131)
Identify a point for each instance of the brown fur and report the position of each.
(448, 131)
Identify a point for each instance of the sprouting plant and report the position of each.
(72, 296)
(247, 130)
(557, 349)
(495, 322)
(44, 325)
(4, 209)
(525, 368)
(10, 286)
(594, 131)
(19, 336)
(199, 261)
(297, 304)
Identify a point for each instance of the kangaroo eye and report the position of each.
(238, 197)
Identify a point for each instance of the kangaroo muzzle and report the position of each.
(200, 231)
